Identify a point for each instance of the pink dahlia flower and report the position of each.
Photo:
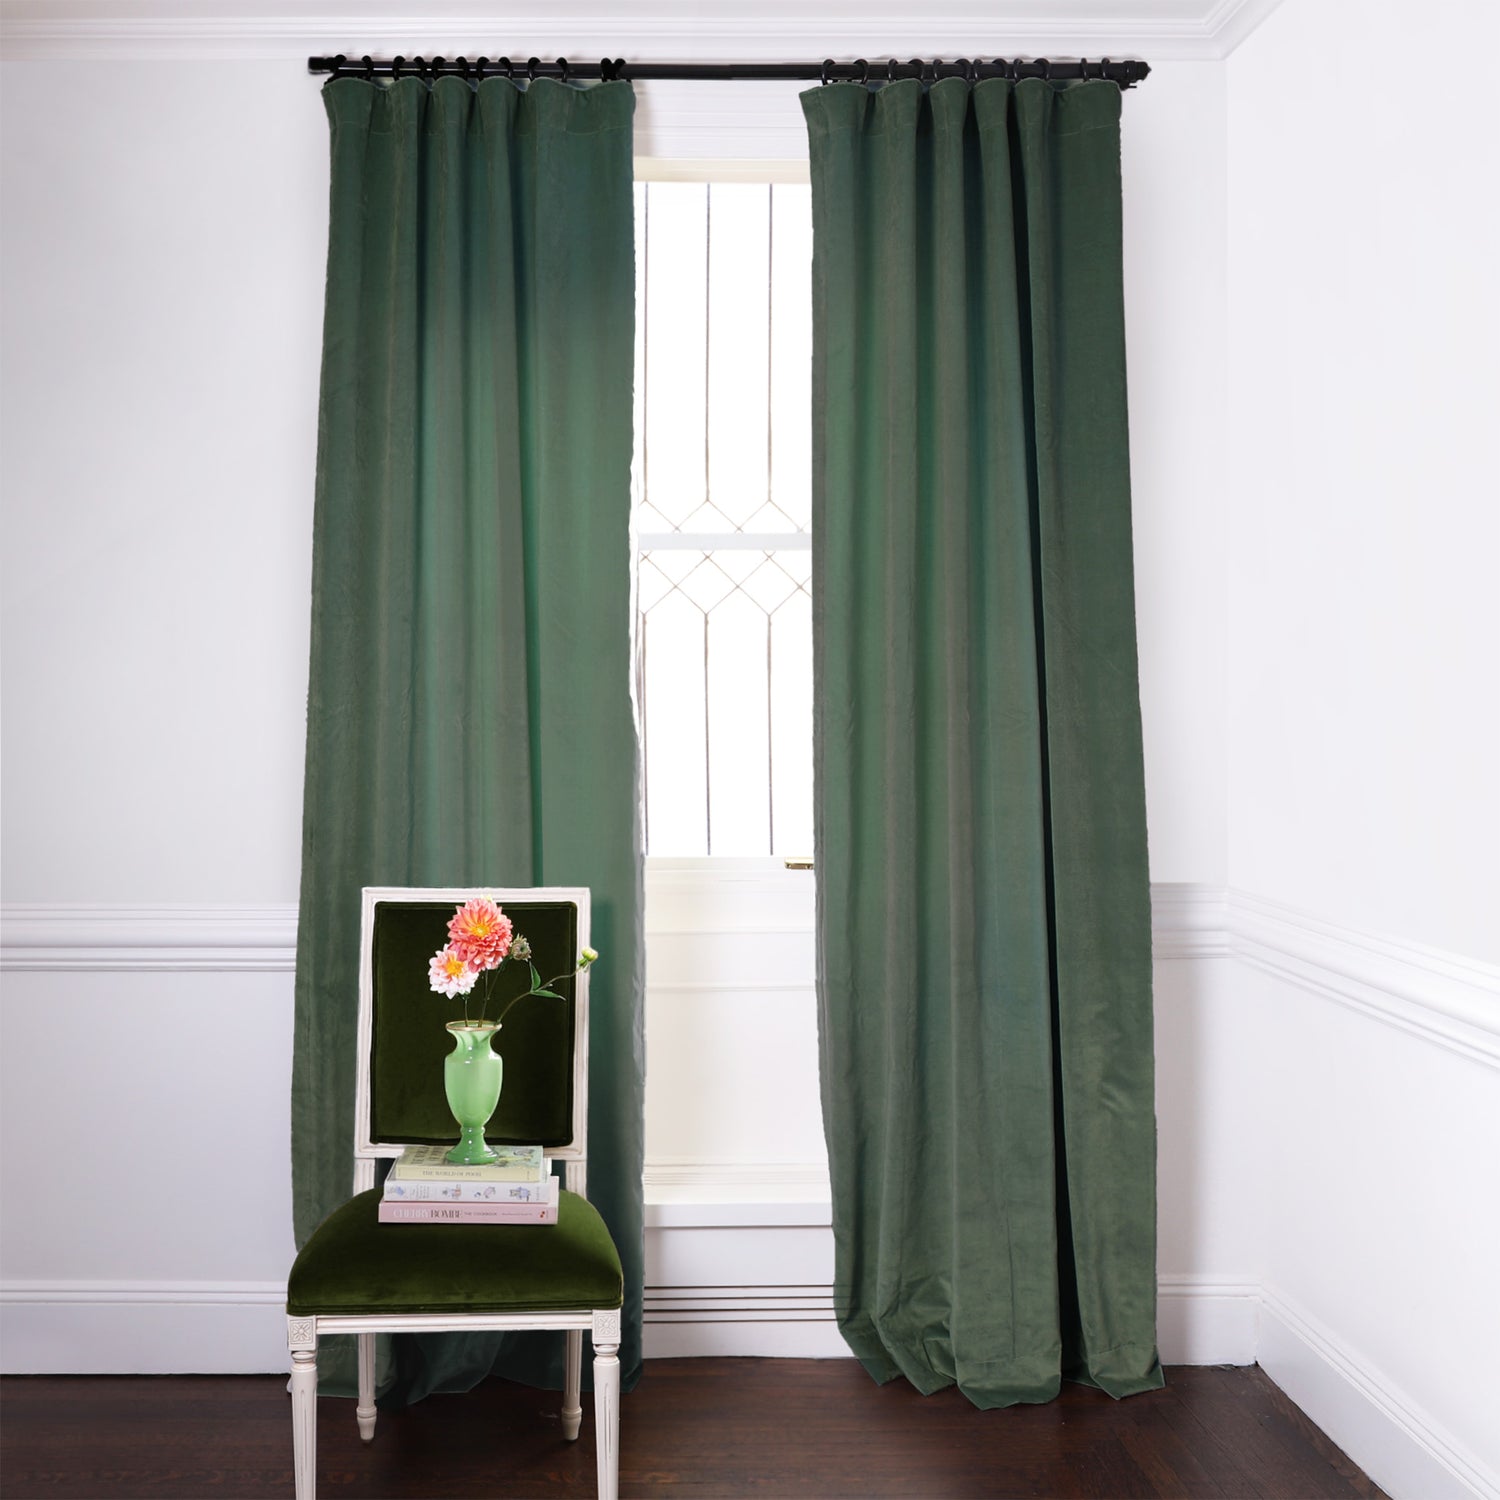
(480, 934)
(450, 974)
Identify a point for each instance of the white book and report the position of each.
(431, 1164)
(397, 1191)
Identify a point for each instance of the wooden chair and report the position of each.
(358, 1276)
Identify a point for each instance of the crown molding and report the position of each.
(1231, 21)
(667, 30)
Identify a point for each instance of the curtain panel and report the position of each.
(469, 710)
(984, 954)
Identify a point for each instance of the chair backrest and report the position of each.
(402, 1036)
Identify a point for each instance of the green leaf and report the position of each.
(547, 994)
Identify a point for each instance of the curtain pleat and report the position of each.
(469, 712)
(984, 963)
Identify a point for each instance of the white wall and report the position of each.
(1365, 382)
(1364, 713)
(1173, 153)
(164, 233)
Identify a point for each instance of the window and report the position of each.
(722, 511)
(722, 514)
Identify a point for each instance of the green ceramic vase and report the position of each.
(471, 1076)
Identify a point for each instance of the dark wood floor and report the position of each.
(691, 1429)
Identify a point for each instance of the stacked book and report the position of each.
(425, 1188)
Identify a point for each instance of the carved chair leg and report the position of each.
(364, 1411)
(572, 1407)
(607, 1401)
(303, 1342)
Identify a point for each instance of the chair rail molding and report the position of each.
(1447, 999)
(116, 939)
(1188, 921)
(1444, 998)
(79, 30)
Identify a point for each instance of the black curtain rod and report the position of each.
(1125, 73)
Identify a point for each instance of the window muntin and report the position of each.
(722, 502)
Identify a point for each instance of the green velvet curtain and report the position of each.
(984, 910)
(469, 711)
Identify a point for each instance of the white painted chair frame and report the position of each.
(603, 1323)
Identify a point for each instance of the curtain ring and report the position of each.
(480, 66)
(532, 64)
(369, 63)
(437, 68)
(505, 63)
(824, 71)
(1046, 66)
(396, 66)
(338, 63)
(864, 70)
(562, 70)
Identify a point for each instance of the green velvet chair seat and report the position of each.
(355, 1265)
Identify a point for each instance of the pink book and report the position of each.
(495, 1212)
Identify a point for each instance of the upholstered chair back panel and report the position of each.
(409, 1042)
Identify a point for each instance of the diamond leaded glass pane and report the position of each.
(722, 489)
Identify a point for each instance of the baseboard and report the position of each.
(1206, 1320)
(142, 1328)
(228, 1328)
(1393, 1440)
